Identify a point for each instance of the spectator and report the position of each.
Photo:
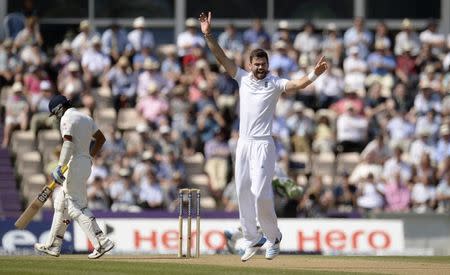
(281, 63)
(140, 57)
(226, 92)
(367, 166)
(32, 80)
(324, 138)
(114, 42)
(381, 35)
(351, 98)
(421, 146)
(231, 40)
(97, 195)
(351, 131)
(229, 198)
(150, 76)
(123, 192)
(306, 41)
(40, 118)
(355, 69)
(358, 36)
(171, 194)
(423, 196)
(432, 37)
(283, 33)
(370, 198)
(10, 63)
(150, 195)
(139, 38)
(330, 86)
(63, 56)
(407, 38)
(378, 148)
(153, 107)
(431, 121)
(381, 65)
(95, 63)
(189, 39)
(170, 68)
(169, 165)
(426, 169)
(209, 122)
(406, 69)
(443, 195)
(217, 166)
(443, 146)
(301, 128)
(123, 84)
(395, 165)
(17, 109)
(256, 36)
(397, 194)
(72, 85)
(400, 130)
(332, 45)
(401, 99)
(30, 35)
(82, 42)
(33, 55)
(345, 194)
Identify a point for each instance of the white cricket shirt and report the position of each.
(258, 99)
(81, 127)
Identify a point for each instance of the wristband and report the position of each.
(206, 35)
(312, 76)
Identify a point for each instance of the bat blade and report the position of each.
(36, 204)
(34, 207)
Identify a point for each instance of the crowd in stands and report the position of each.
(383, 101)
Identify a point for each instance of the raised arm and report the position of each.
(228, 64)
(298, 84)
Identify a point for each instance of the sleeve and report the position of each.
(239, 74)
(66, 127)
(280, 83)
(94, 127)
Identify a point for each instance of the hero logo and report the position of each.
(340, 240)
(211, 239)
(43, 196)
(16, 239)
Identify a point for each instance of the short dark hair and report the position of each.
(258, 53)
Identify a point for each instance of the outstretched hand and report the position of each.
(205, 22)
(321, 66)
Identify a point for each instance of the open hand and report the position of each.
(205, 22)
(321, 66)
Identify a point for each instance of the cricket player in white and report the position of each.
(82, 141)
(255, 154)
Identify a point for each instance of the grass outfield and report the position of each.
(223, 264)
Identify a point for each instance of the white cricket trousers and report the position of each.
(255, 165)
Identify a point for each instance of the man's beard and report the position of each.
(260, 74)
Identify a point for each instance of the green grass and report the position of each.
(47, 266)
(215, 265)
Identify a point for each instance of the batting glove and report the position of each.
(58, 175)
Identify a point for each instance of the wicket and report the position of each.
(189, 221)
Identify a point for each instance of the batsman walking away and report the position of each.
(82, 141)
(255, 154)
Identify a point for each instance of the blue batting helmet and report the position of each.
(56, 104)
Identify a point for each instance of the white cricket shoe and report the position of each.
(251, 250)
(52, 250)
(273, 250)
(105, 247)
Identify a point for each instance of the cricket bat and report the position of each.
(36, 204)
